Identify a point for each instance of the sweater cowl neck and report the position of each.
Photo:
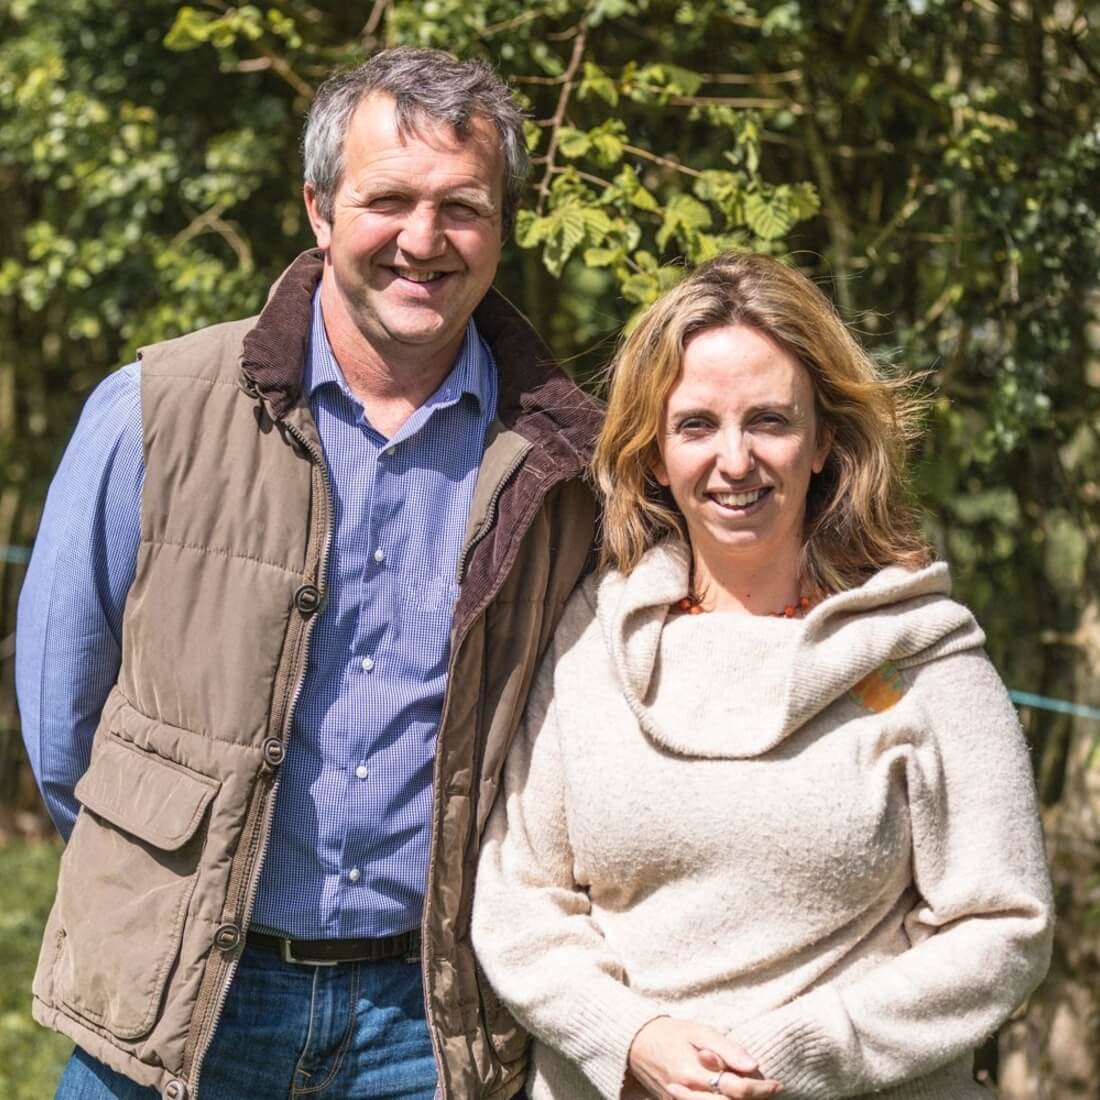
(682, 694)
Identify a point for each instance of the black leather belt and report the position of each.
(406, 946)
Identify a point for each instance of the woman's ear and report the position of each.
(824, 446)
(659, 471)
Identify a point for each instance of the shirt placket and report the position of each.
(367, 671)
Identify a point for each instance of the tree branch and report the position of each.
(512, 24)
(579, 43)
(674, 164)
(786, 76)
(839, 229)
(599, 181)
(210, 221)
(908, 208)
(374, 20)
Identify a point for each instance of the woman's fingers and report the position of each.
(730, 1084)
(723, 1053)
(691, 1061)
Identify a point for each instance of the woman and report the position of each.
(770, 821)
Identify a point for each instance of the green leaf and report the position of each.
(724, 190)
(629, 187)
(530, 228)
(768, 220)
(189, 30)
(642, 288)
(566, 232)
(705, 246)
(568, 226)
(783, 19)
(684, 217)
(573, 143)
(596, 82)
(603, 257)
(802, 199)
(532, 134)
(597, 224)
(607, 141)
(670, 79)
(607, 148)
(611, 9)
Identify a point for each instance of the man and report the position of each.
(290, 587)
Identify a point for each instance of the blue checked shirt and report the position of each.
(349, 847)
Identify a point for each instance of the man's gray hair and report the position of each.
(424, 84)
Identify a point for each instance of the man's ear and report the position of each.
(322, 228)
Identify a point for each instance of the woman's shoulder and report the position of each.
(602, 601)
(578, 618)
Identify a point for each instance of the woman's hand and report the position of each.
(680, 1059)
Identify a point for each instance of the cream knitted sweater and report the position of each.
(820, 837)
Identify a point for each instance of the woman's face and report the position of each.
(738, 446)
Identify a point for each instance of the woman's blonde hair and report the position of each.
(859, 513)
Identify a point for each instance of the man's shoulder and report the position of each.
(536, 398)
(207, 353)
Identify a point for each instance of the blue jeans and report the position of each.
(350, 1032)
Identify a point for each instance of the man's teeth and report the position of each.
(739, 500)
(419, 276)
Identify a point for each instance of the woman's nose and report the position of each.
(735, 457)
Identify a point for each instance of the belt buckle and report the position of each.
(289, 957)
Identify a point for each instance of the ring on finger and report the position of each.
(715, 1083)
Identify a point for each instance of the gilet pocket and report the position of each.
(127, 877)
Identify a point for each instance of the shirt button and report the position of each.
(367, 664)
(354, 874)
(361, 772)
(380, 554)
(389, 451)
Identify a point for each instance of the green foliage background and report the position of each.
(936, 163)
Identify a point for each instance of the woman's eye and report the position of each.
(692, 424)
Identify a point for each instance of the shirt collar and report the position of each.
(471, 373)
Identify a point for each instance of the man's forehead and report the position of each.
(414, 123)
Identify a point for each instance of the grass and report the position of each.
(30, 1057)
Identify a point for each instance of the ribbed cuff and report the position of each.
(792, 1045)
(599, 1035)
(811, 1047)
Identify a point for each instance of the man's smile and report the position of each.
(413, 275)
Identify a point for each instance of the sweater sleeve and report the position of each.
(981, 929)
(532, 926)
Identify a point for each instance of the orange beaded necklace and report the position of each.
(693, 605)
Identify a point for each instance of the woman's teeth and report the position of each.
(739, 500)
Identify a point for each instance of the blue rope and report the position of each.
(1062, 706)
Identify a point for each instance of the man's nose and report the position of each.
(421, 233)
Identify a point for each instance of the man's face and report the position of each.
(415, 235)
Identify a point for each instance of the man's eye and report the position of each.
(463, 210)
(384, 202)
